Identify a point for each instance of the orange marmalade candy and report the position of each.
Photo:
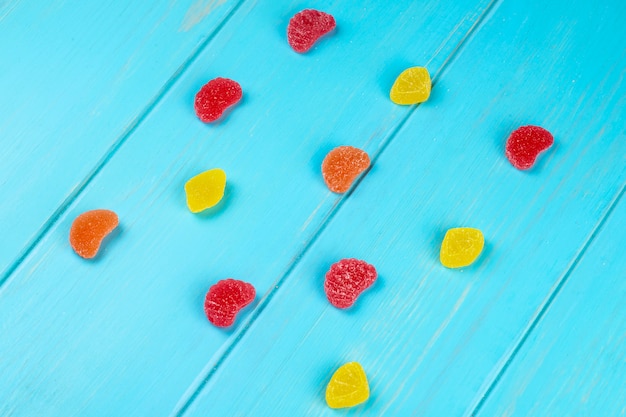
(347, 387)
(342, 166)
(461, 247)
(89, 229)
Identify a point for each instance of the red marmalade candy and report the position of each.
(89, 229)
(215, 97)
(306, 27)
(346, 280)
(525, 144)
(225, 299)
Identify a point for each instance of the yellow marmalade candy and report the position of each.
(205, 190)
(347, 387)
(411, 87)
(461, 247)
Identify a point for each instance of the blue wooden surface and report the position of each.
(573, 362)
(125, 334)
(76, 79)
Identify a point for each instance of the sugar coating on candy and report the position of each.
(342, 166)
(306, 27)
(89, 229)
(347, 387)
(215, 97)
(225, 299)
(205, 190)
(525, 144)
(411, 87)
(346, 280)
(461, 247)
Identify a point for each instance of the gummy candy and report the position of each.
(205, 190)
(225, 299)
(306, 27)
(461, 246)
(342, 166)
(347, 387)
(412, 86)
(215, 97)
(89, 229)
(346, 280)
(525, 144)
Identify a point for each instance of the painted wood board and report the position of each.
(432, 340)
(76, 78)
(573, 361)
(126, 333)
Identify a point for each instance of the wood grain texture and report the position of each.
(573, 362)
(126, 334)
(433, 340)
(76, 78)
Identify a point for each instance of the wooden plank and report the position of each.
(573, 362)
(432, 340)
(76, 77)
(127, 333)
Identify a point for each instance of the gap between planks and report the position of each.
(113, 149)
(545, 306)
(194, 390)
